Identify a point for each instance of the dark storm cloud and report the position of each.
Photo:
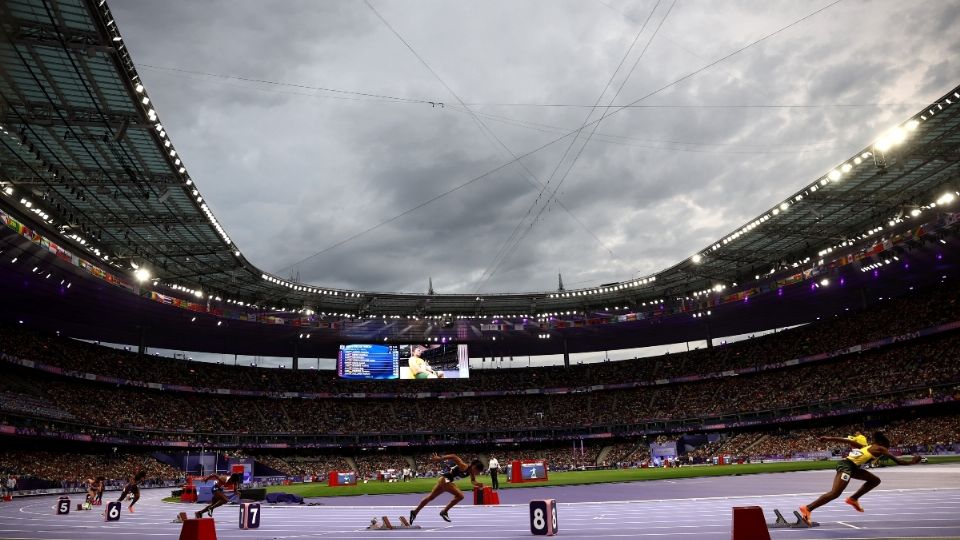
(291, 171)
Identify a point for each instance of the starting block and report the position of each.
(782, 523)
(385, 525)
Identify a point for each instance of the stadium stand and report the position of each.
(937, 305)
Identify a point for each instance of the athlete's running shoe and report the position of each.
(413, 516)
(445, 517)
(805, 515)
(130, 509)
(199, 514)
(854, 503)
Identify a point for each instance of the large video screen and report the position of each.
(372, 361)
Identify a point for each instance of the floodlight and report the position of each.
(142, 274)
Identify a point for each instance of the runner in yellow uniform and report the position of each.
(860, 454)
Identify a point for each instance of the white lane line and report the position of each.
(849, 525)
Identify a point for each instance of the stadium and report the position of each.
(757, 351)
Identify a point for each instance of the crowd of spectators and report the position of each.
(926, 435)
(935, 434)
(381, 467)
(70, 471)
(313, 465)
(907, 370)
(937, 305)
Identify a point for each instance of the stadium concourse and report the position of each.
(105, 237)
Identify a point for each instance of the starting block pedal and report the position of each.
(385, 525)
(782, 523)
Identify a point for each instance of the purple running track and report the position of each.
(914, 502)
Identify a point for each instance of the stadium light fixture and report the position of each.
(142, 274)
(784, 205)
(696, 258)
(834, 175)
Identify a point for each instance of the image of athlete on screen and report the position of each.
(420, 368)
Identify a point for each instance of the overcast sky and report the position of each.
(291, 170)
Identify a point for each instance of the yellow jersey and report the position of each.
(861, 455)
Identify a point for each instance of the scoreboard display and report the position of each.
(339, 478)
(528, 471)
(368, 362)
(373, 361)
(533, 471)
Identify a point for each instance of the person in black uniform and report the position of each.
(101, 483)
(132, 488)
(219, 497)
(447, 483)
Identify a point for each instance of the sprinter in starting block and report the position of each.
(132, 488)
(95, 489)
(447, 483)
(219, 497)
(849, 468)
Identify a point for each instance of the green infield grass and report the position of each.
(423, 485)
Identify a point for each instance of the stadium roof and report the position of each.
(86, 158)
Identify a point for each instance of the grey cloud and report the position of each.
(291, 171)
